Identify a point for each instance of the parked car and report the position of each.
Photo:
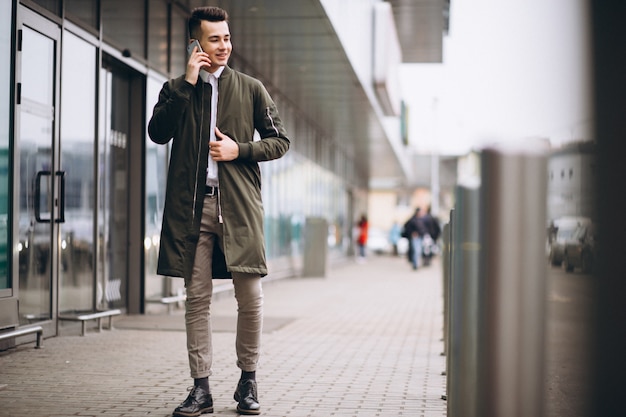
(378, 241)
(580, 250)
(561, 232)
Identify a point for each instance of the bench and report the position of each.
(170, 300)
(96, 315)
(25, 331)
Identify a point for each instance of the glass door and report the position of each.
(78, 143)
(113, 188)
(40, 202)
(6, 176)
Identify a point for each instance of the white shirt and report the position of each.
(211, 172)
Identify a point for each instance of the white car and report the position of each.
(563, 232)
(378, 241)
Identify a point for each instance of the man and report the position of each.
(213, 214)
(415, 230)
(429, 240)
(361, 240)
(431, 223)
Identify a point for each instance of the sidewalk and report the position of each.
(364, 341)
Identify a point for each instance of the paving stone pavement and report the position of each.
(364, 341)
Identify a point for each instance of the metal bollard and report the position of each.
(512, 287)
(465, 259)
(447, 301)
(445, 276)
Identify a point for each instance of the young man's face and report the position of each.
(215, 41)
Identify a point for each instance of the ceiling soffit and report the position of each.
(421, 25)
(292, 46)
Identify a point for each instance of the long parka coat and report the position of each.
(182, 115)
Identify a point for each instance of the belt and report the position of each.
(210, 190)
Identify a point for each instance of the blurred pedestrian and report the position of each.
(429, 240)
(415, 230)
(213, 215)
(361, 241)
(394, 237)
(432, 225)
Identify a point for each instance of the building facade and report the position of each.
(572, 179)
(82, 186)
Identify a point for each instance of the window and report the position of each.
(83, 11)
(5, 152)
(78, 135)
(52, 5)
(123, 24)
(158, 35)
(156, 179)
(179, 41)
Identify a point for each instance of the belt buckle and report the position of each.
(210, 190)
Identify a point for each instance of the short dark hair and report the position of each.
(210, 13)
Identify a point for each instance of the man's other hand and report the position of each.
(224, 148)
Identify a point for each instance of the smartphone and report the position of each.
(191, 45)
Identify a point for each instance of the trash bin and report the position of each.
(315, 247)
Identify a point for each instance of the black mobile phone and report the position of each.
(191, 45)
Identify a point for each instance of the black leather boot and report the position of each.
(198, 402)
(246, 397)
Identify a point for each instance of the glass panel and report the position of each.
(156, 286)
(112, 269)
(53, 5)
(157, 34)
(179, 42)
(36, 139)
(310, 180)
(123, 23)
(85, 11)
(5, 114)
(78, 80)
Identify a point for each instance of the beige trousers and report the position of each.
(248, 293)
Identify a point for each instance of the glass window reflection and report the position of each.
(78, 97)
(83, 11)
(36, 138)
(157, 34)
(123, 23)
(5, 165)
(157, 157)
(179, 42)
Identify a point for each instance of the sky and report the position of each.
(512, 70)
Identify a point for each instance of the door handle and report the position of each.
(40, 175)
(61, 218)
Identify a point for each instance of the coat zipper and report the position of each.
(219, 195)
(219, 206)
(195, 193)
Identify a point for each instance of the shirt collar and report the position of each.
(206, 76)
(219, 71)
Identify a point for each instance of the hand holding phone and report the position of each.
(191, 45)
(196, 62)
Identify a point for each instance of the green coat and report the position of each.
(182, 111)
